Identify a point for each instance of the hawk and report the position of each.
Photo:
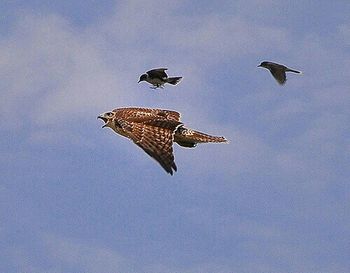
(154, 131)
(278, 71)
(158, 77)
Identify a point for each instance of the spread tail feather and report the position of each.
(204, 138)
(189, 138)
(173, 80)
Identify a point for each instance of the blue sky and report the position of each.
(78, 198)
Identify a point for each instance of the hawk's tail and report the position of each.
(204, 138)
(173, 80)
(190, 138)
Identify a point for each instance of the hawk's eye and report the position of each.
(109, 114)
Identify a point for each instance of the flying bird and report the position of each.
(158, 77)
(154, 131)
(278, 71)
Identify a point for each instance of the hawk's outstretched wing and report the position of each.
(145, 114)
(168, 114)
(152, 130)
(156, 141)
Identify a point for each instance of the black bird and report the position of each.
(157, 77)
(278, 71)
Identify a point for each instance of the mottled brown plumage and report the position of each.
(155, 130)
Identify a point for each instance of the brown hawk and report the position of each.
(155, 130)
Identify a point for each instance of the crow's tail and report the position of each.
(173, 80)
(294, 71)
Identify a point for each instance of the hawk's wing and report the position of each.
(145, 114)
(168, 114)
(279, 75)
(155, 137)
(158, 73)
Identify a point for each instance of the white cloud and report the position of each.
(59, 254)
(234, 38)
(55, 71)
(89, 258)
(52, 72)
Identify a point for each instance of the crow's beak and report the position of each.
(259, 65)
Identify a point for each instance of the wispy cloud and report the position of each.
(83, 257)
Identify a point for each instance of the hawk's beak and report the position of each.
(259, 65)
(139, 81)
(104, 119)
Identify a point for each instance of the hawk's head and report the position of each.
(107, 118)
